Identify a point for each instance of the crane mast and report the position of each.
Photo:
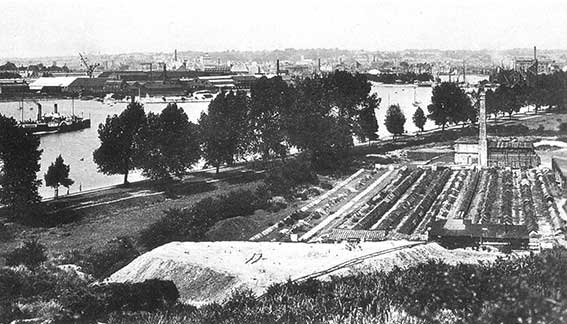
(90, 68)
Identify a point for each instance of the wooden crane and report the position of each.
(89, 67)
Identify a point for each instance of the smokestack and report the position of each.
(535, 54)
(54, 108)
(175, 55)
(319, 65)
(39, 112)
(277, 67)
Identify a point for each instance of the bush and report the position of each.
(5, 234)
(31, 254)
(192, 224)
(101, 263)
(563, 128)
(294, 172)
(40, 217)
(94, 301)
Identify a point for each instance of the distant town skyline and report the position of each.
(37, 28)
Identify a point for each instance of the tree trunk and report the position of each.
(443, 127)
(56, 189)
(126, 169)
(218, 168)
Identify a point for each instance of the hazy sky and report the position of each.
(49, 27)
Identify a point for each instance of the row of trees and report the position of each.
(319, 115)
(449, 105)
(162, 145)
(517, 90)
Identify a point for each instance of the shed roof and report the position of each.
(51, 82)
(88, 82)
(487, 231)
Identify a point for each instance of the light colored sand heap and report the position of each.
(207, 272)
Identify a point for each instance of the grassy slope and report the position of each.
(104, 222)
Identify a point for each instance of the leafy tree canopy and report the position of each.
(450, 104)
(169, 143)
(58, 175)
(119, 141)
(19, 164)
(395, 120)
(223, 129)
(419, 118)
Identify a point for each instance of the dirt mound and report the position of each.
(232, 229)
(207, 272)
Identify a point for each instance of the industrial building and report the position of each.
(500, 152)
(459, 233)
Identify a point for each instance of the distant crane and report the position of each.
(89, 67)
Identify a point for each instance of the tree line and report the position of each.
(318, 115)
(449, 105)
(516, 91)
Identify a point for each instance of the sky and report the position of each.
(34, 28)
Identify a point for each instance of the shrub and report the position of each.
(294, 172)
(5, 234)
(192, 224)
(563, 128)
(103, 262)
(31, 254)
(94, 301)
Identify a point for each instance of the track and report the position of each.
(357, 260)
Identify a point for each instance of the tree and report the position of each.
(510, 99)
(395, 120)
(224, 129)
(367, 124)
(119, 147)
(314, 124)
(268, 98)
(169, 144)
(450, 104)
(419, 118)
(19, 164)
(58, 175)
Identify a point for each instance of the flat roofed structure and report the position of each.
(467, 234)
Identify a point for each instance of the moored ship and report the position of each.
(54, 122)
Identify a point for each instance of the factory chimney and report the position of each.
(175, 55)
(482, 137)
(164, 72)
(54, 108)
(319, 65)
(535, 54)
(277, 67)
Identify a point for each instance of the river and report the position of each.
(77, 148)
